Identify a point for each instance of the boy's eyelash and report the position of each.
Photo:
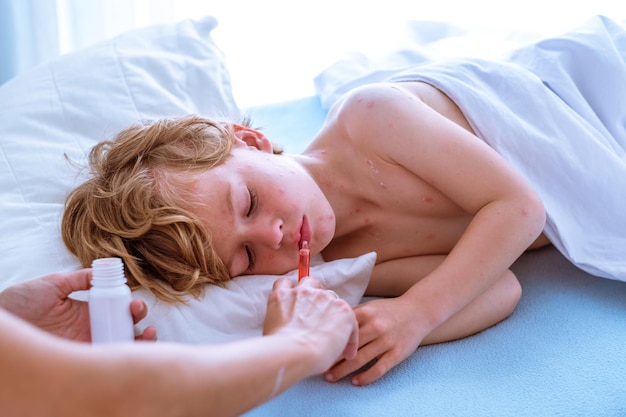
(253, 202)
(250, 259)
(253, 205)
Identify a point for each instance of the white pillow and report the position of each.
(67, 105)
(237, 311)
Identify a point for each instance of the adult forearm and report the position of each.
(220, 380)
(45, 375)
(176, 380)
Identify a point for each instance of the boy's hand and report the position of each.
(383, 337)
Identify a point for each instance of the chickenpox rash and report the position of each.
(427, 199)
(525, 212)
(372, 166)
(370, 105)
(330, 217)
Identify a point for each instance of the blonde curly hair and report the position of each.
(134, 205)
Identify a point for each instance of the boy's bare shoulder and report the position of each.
(363, 116)
(369, 113)
(378, 118)
(370, 102)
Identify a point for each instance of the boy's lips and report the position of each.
(305, 232)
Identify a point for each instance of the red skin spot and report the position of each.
(430, 236)
(427, 199)
(524, 212)
(370, 105)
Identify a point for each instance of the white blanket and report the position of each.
(556, 110)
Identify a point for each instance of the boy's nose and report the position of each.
(270, 234)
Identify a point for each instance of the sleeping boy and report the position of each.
(397, 169)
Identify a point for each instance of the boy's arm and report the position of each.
(394, 277)
(507, 216)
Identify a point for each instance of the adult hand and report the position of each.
(388, 334)
(45, 303)
(325, 322)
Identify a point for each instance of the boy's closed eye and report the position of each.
(251, 209)
(250, 256)
(253, 202)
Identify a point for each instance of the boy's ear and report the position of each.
(252, 137)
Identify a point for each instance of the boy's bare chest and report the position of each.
(393, 212)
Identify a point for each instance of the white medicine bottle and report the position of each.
(109, 303)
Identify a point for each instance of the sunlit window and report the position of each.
(276, 47)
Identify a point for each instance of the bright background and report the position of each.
(274, 48)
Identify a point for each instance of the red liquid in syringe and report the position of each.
(304, 261)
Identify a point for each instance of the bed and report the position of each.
(562, 352)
